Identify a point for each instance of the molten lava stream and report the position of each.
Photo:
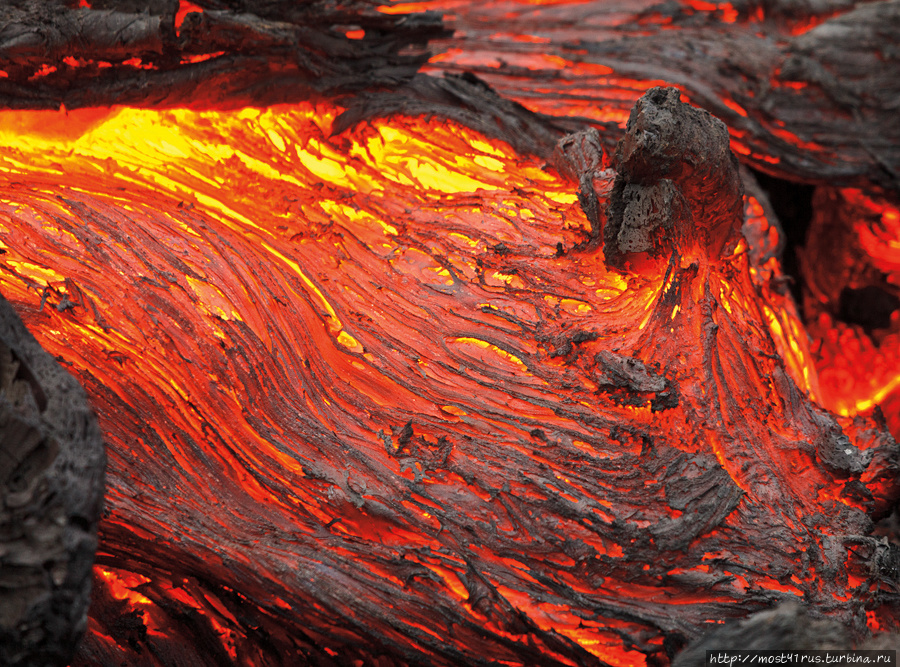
(853, 307)
(360, 398)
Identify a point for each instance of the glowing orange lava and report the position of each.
(373, 379)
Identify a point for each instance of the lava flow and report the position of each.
(382, 396)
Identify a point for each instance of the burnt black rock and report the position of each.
(52, 464)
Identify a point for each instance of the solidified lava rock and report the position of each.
(51, 486)
(677, 182)
(788, 627)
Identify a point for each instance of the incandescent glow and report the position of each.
(873, 234)
(220, 254)
(380, 378)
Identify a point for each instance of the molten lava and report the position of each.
(393, 391)
(376, 394)
(852, 303)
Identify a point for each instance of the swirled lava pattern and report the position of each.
(374, 398)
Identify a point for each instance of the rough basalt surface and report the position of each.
(677, 186)
(51, 487)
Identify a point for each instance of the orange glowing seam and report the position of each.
(596, 636)
(726, 10)
(414, 7)
(702, 6)
(180, 594)
(516, 363)
(201, 57)
(805, 26)
(863, 405)
(120, 584)
(770, 584)
(45, 70)
(793, 139)
(740, 147)
(137, 63)
(525, 39)
(734, 106)
(729, 13)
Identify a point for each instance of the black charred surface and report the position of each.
(677, 184)
(51, 487)
(870, 306)
(229, 55)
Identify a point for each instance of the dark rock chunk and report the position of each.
(627, 373)
(838, 454)
(677, 186)
(51, 487)
(787, 627)
(630, 382)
